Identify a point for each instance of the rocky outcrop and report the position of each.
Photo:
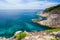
(38, 36)
(53, 19)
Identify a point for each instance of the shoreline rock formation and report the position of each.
(32, 36)
(53, 17)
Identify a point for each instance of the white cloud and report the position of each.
(27, 4)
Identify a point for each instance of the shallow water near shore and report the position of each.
(19, 20)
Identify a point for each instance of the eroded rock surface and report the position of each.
(38, 36)
(53, 19)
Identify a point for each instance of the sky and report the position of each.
(27, 4)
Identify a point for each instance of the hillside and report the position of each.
(52, 8)
(52, 15)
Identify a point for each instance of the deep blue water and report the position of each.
(18, 20)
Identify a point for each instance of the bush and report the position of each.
(55, 39)
(20, 36)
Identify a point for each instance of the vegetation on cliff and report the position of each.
(52, 8)
(20, 36)
(52, 30)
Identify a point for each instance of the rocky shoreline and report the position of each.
(43, 35)
(53, 19)
(33, 36)
(38, 36)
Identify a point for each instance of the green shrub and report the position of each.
(55, 39)
(20, 36)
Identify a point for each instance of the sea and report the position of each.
(12, 21)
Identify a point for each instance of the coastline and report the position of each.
(43, 35)
(51, 21)
(33, 36)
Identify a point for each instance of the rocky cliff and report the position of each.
(52, 15)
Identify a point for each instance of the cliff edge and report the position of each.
(52, 15)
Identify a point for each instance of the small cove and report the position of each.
(12, 21)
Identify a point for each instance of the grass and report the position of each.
(52, 30)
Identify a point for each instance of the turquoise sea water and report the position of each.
(18, 20)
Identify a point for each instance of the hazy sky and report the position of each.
(27, 4)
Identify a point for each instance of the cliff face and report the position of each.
(53, 17)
